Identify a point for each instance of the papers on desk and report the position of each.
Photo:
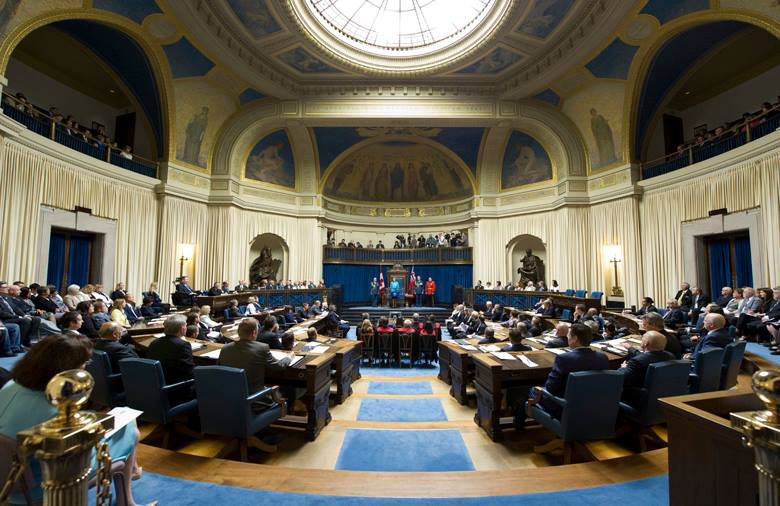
(213, 334)
(489, 348)
(161, 334)
(212, 354)
(503, 355)
(555, 351)
(537, 340)
(279, 355)
(122, 416)
(527, 361)
(197, 346)
(468, 347)
(315, 349)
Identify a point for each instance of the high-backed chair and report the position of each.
(108, 390)
(427, 345)
(406, 341)
(581, 293)
(385, 339)
(146, 391)
(227, 409)
(588, 410)
(596, 295)
(569, 293)
(566, 315)
(369, 347)
(707, 369)
(732, 361)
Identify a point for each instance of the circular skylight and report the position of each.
(400, 27)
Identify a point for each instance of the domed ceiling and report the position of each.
(506, 48)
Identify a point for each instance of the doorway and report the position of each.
(729, 261)
(70, 258)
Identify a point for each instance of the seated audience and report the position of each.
(73, 297)
(490, 336)
(216, 289)
(118, 313)
(252, 306)
(654, 321)
(516, 336)
(234, 310)
(561, 339)
(273, 338)
(537, 327)
(71, 323)
(725, 296)
(10, 340)
(119, 292)
(684, 297)
(173, 352)
(99, 294)
(717, 335)
(100, 314)
(88, 328)
(698, 302)
(674, 316)
(109, 335)
(635, 367)
(148, 310)
(133, 313)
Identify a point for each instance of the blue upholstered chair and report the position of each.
(589, 409)
(581, 293)
(596, 295)
(108, 390)
(226, 407)
(662, 311)
(732, 361)
(569, 293)
(566, 315)
(706, 371)
(146, 391)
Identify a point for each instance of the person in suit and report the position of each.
(99, 294)
(767, 328)
(316, 307)
(173, 352)
(514, 319)
(186, 293)
(157, 302)
(44, 303)
(100, 314)
(108, 342)
(684, 296)
(119, 292)
(273, 338)
(215, 290)
(579, 313)
(10, 340)
(648, 306)
(699, 301)
(373, 291)
(635, 367)
(537, 327)
(674, 316)
(133, 313)
(746, 311)
(581, 358)
(335, 321)
(516, 336)
(488, 312)
(148, 309)
(717, 335)
(490, 336)
(726, 294)
(86, 308)
(242, 286)
(193, 319)
(593, 315)
(547, 308)
(498, 313)
(253, 357)
(419, 288)
(29, 326)
(71, 323)
(654, 321)
(561, 339)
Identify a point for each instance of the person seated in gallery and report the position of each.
(380, 245)
(88, 328)
(252, 306)
(131, 311)
(561, 339)
(479, 285)
(516, 336)
(490, 336)
(634, 368)
(684, 296)
(541, 286)
(225, 287)
(350, 244)
(370, 244)
(647, 306)
(699, 301)
(554, 287)
(547, 308)
(119, 292)
(580, 311)
(216, 289)
(148, 309)
(342, 243)
(537, 327)
(592, 314)
(193, 318)
(273, 338)
(118, 313)
(716, 336)
(654, 321)
(513, 320)
(674, 316)
(108, 341)
(726, 294)
(530, 286)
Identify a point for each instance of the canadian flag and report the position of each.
(381, 280)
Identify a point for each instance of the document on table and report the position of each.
(527, 361)
(279, 355)
(158, 335)
(197, 346)
(489, 348)
(318, 349)
(503, 355)
(468, 347)
(122, 416)
(555, 351)
(537, 340)
(212, 354)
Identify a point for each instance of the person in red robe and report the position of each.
(430, 291)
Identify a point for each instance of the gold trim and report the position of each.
(553, 180)
(383, 138)
(498, 75)
(262, 184)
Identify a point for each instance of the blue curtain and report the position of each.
(56, 260)
(720, 265)
(355, 279)
(742, 260)
(78, 261)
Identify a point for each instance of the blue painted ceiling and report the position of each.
(128, 60)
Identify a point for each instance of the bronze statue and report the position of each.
(532, 268)
(264, 267)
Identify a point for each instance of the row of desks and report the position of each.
(521, 298)
(314, 373)
(494, 376)
(265, 298)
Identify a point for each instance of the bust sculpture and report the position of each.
(264, 267)
(531, 268)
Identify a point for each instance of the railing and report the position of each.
(443, 255)
(522, 299)
(737, 136)
(43, 124)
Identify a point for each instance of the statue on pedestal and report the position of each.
(531, 268)
(264, 267)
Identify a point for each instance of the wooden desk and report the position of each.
(265, 298)
(631, 322)
(523, 299)
(492, 376)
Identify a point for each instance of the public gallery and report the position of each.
(353, 252)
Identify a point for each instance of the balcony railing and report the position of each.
(757, 127)
(443, 255)
(43, 124)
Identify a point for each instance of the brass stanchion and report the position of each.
(761, 431)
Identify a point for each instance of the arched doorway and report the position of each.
(518, 248)
(269, 256)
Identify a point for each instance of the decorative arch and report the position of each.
(279, 250)
(153, 53)
(516, 249)
(646, 55)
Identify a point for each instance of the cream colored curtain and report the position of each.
(29, 179)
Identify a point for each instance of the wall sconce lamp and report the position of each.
(186, 251)
(614, 255)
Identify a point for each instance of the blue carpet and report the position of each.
(392, 372)
(647, 492)
(401, 410)
(404, 451)
(7, 363)
(763, 352)
(396, 388)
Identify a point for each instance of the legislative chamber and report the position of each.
(402, 252)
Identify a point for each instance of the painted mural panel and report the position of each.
(302, 61)
(544, 17)
(398, 170)
(255, 16)
(15, 12)
(598, 112)
(271, 161)
(499, 59)
(201, 108)
(525, 162)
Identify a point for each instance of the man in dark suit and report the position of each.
(516, 338)
(28, 325)
(717, 335)
(635, 367)
(215, 290)
(316, 307)
(335, 321)
(241, 287)
(726, 294)
(119, 292)
(173, 352)
(108, 341)
(488, 312)
(490, 336)
(43, 302)
(273, 338)
(561, 339)
(674, 316)
(698, 302)
(537, 327)
(654, 321)
(251, 356)
(186, 293)
(684, 296)
(581, 358)
(133, 313)
(547, 308)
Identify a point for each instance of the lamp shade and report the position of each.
(613, 252)
(186, 251)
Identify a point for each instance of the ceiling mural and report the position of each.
(398, 169)
(463, 141)
(271, 161)
(255, 16)
(544, 17)
(185, 60)
(525, 162)
(136, 10)
(614, 61)
(665, 11)
(302, 61)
